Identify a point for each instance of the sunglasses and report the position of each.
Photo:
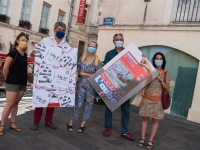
(120, 34)
(22, 33)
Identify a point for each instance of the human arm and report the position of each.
(142, 92)
(80, 71)
(6, 67)
(145, 63)
(165, 84)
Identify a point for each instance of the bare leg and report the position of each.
(83, 123)
(82, 128)
(143, 129)
(70, 126)
(70, 122)
(15, 107)
(10, 102)
(154, 129)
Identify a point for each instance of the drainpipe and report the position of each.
(70, 20)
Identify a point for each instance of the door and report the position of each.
(80, 49)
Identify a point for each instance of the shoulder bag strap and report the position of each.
(14, 59)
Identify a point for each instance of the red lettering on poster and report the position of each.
(81, 11)
(107, 81)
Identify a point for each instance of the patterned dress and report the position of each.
(85, 90)
(151, 105)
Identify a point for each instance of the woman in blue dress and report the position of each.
(87, 66)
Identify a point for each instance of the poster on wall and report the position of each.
(123, 76)
(54, 76)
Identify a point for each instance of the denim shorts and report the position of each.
(15, 88)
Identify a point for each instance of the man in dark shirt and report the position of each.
(118, 40)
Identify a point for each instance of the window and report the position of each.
(85, 14)
(99, 17)
(61, 15)
(44, 15)
(26, 10)
(187, 11)
(4, 4)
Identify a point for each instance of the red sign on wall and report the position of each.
(81, 11)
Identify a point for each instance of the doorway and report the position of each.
(81, 45)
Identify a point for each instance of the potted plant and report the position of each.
(24, 24)
(44, 30)
(3, 18)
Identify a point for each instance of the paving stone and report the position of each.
(83, 145)
(50, 138)
(63, 134)
(174, 133)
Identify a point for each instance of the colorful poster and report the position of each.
(54, 76)
(123, 76)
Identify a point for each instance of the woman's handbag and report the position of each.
(166, 99)
(137, 100)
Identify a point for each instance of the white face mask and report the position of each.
(119, 44)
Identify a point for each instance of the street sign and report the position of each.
(108, 21)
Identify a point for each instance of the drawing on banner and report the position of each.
(66, 49)
(66, 100)
(42, 51)
(54, 76)
(61, 78)
(54, 95)
(45, 76)
(53, 54)
(41, 98)
(122, 77)
(69, 61)
(72, 81)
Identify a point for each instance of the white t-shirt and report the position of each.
(52, 42)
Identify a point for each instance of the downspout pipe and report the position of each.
(70, 20)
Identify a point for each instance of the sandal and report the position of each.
(1, 130)
(15, 127)
(140, 143)
(70, 128)
(81, 129)
(150, 146)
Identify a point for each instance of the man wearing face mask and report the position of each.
(118, 41)
(56, 40)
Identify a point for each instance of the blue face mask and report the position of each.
(158, 63)
(60, 34)
(91, 50)
(119, 44)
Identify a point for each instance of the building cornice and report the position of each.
(172, 27)
(30, 32)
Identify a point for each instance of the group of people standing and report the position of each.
(15, 73)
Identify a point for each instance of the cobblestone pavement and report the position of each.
(174, 133)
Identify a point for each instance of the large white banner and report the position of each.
(54, 76)
(123, 76)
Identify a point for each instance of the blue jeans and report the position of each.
(125, 108)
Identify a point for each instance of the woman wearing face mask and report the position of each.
(15, 73)
(151, 106)
(87, 66)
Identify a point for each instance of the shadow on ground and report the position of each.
(174, 133)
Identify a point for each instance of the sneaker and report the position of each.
(106, 132)
(35, 126)
(50, 125)
(128, 136)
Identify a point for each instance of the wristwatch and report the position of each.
(161, 80)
